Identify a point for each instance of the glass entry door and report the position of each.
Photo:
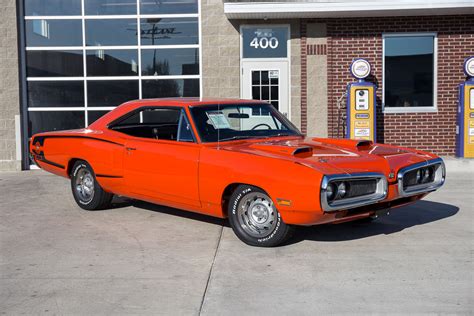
(267, 81)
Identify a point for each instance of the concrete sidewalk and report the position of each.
(137, 258)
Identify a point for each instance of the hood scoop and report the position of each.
(286, 150)
(347, 143)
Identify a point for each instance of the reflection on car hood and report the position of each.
(332, 156)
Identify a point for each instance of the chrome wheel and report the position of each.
(257, 215)
(85, 185)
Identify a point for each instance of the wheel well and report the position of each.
(70, 164)
(228, 192)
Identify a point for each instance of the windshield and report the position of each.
(221, 122)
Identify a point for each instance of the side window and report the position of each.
(156, 123)
(184, 132)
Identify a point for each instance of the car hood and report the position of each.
(334, 156)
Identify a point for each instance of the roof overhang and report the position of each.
(268, 9)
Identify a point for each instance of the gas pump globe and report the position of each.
(361, 103)
(465, 121)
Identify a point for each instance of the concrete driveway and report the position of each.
(137, 258)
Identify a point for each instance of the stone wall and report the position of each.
(9, 87)
(221, 55)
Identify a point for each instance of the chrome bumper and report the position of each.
(344, 204)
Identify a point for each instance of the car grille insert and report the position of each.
(361, 187)
(421, 178)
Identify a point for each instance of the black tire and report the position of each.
(255, 219)
(87, 192)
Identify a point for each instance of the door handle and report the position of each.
(130, 148)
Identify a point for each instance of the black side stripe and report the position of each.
(41, 139)
(49, 162)
(107, 176)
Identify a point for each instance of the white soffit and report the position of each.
(235, 9)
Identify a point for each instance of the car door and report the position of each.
(159, 166)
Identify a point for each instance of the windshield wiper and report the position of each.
(234, 138)
(255, 136)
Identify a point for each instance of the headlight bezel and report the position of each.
(439, 178)
(352, 202)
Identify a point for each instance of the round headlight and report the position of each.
(426, 175)
(341, 189)
(331, 192)
(418, 176)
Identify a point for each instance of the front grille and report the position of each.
(419, 176)
(361, 187)
(346, 191)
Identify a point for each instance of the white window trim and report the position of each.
(414, 109)
(111, 16)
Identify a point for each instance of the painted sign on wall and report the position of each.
(264, 41)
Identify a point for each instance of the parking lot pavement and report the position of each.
(137, 258)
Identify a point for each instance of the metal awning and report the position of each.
(282, 9)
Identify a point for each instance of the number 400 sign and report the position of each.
(264, 42)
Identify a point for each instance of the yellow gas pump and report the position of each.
(465, 122)
(361, 115)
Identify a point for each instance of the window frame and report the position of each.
(414, 109)
(181, 109)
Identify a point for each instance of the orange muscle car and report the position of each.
(239, 159)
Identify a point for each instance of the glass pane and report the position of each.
(111, 32)
(161, 116)
(409, 63)
(54, 64)
(274, 93)
(157, 31)
(134, 119)
(112, 62)
(93, 116)
(160, 62)
(102, 7)
(256, 93)
(168, 6)
(111, 93)
(53, 7)
(265, 77)
(54, 121)
(185, 134)
(255, 77)
(55, 93)
(53, 33)
(265, 93)
(170, 88)
(275, 104)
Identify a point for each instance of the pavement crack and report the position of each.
(210, 271)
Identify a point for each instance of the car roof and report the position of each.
(188, 101)
(178, 102)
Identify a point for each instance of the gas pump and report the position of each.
(361, 103)
(465, 123)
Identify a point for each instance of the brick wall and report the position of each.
(362, 37)
(9, 90)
